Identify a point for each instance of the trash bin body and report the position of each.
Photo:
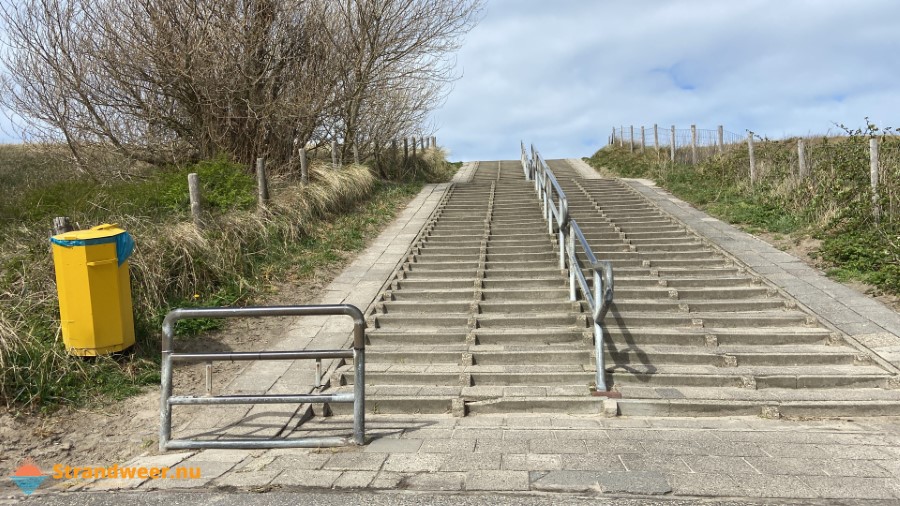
(94, 289)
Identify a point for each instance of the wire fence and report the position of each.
(858, 171)
(683, 145)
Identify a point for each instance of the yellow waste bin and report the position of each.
(94, 289)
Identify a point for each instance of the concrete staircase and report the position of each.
(479, 321)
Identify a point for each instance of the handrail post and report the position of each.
(598, 334)
(563, 227)
(562, 247)
(573, 264)
(359, 396)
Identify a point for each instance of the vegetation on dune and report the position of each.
(239, 254)
(122, 100)
(834, 204)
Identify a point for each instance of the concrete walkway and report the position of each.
(724, 457)
(867, 321)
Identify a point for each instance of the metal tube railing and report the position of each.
(558, 210)
(600, 296)
(169, 357)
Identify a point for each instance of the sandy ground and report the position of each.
(116, 432)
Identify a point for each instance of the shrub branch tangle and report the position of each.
(183, 80)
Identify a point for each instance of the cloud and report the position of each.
(562, 74)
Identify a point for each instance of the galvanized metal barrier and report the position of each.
(169, 357)
(601, 297)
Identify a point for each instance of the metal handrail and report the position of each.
(601, 297)
(527, 166)
(357, 353)
(548, 185)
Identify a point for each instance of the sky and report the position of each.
(562, 74)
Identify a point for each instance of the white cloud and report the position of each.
(562, 74)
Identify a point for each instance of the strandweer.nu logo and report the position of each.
(28, 476)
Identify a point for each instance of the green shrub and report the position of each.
(834, 203)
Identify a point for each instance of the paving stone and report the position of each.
(531, 462)
(247, 479)
(636, 482)
(354, 479)
(497, 446)
(757, 485)
(308, 461)
(394, 446)
(557, 446)
(436, 481)
(414, 462)
(497, 480)
(469, 462)
(448, 446)
(672, 448)
(570, 422)
(837, 487)
(356, 461)
(592, 437)
(388, 480)
(592, 462)
(715, 465)
(705, 485)
(320, 478)
(477, 433)
(803, 451)
(634, 462)
(513, 434)
(566, 481)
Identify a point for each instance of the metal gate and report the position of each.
(357, 353)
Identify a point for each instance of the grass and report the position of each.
(834, 204)
(239, 255)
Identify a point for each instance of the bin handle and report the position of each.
(98, 263)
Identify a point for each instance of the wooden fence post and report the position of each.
(694, 144)
(405, 148)
(262, 183)
(304, 167)
(334, 154)
(752, 158)
(631, 140)
(621, 137)
(194, 193)
(873, 174)
(434, 142)
(673, 144)
(721, 139)
(656, 137)
(414, 147)
(803, 170)
(62, 224)
(643, 144)
(355, 153)
(612, 140)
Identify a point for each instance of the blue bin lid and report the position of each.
(101, 234)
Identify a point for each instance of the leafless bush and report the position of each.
(176, 80)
